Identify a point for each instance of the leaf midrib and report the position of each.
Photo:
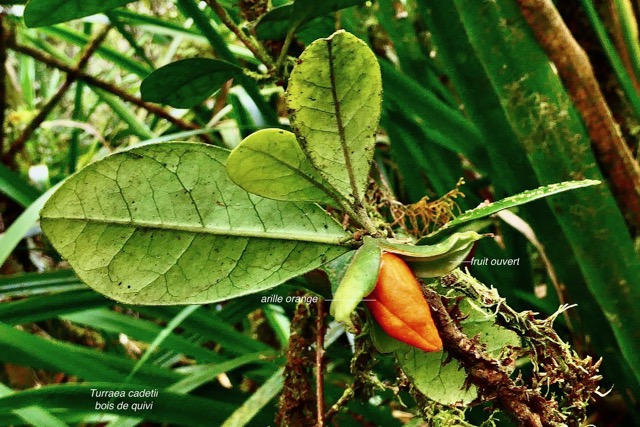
(309, 238)
(341, 130)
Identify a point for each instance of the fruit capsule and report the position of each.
(399, 307)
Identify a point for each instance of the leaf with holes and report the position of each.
(164, 224)
(334, 97)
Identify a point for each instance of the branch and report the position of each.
(248, 41)
(108, 87)
(555, 363)
(3, 72)
(577, 75)
(340, 403)
(296, 399)
(88, 52)
(527, 406)
(320, 331)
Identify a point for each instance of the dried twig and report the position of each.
(575, 71)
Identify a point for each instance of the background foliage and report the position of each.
(468, 92)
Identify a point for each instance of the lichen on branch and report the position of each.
(555, 364)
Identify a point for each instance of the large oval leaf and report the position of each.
(270, 163)
(163, 224)
(186, 83)
(334, 97)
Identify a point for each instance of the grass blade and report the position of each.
(16, 232)
(258, 400)
(13, 186)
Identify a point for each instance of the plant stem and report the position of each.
(341, 402)
(108, 87)
(88, 52)
(3, 89)
(529, 408)
(248, 41)
(320, 331)
(285, 47)
(576, 73)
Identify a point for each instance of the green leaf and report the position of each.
(509, 202)
(33, 415)
(163, 224)
(186, 83)
(275, 25)
(26, 349)
(39, 13)
(335, 269)
(270, 163)
(334, 97)
(44, 307)
(197, 375)
(305, 10)
(359, 281)
(12, 185)
(258, 400)
(279, 21)
(212, 326)
(139, 329)
(481, 322)
(383, 342)
(168, 407)
(160, 338)
(25, 284)
(21, 226)
(445, 383)
(438, 259)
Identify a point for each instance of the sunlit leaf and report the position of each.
(334, 97)
(270, 163)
